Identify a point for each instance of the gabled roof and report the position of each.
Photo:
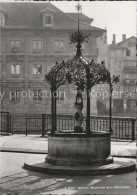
(127, 40)
(29, 15)
(121, 45)
(48, 9)
(117, 47)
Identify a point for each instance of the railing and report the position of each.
(123, 128)
(5, 122)
(26, 123)
(34, 124)
(42, 123)
(18, 123)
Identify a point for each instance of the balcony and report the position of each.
(130, 69)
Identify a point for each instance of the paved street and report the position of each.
(16, 180)
(38, 144)
(125, 149)
(31, 143)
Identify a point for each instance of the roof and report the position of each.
(82, 17)
(117, 47)
(126, 40)
(29, 15)
(120, 45)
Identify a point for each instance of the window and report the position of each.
(15, 69)
(126, 88)
(59, 45)
(15, 45)
(37, 95)
(56, 44)
(128, 53)
(15, 95)
(127, 76)
(47, 19)
(60, 95)
(132, 88)
(119, 64)
(132, 44)
(121, 87)
(37, 69)
(2, 19)
(37, 45)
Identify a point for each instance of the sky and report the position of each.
(119, 17)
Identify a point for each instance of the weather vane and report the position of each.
(78, 36)
(78, 8)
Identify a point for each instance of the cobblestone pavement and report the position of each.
(38, 144)
(16, 180)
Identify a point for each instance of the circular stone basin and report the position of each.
(119, 166)
(79, 149)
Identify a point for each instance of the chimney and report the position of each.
(123, 37)
(114, 39)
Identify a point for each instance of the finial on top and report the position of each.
(78, 7)
(78, 37)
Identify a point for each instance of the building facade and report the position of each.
(122, 59)
(34, 36)
(123, 63)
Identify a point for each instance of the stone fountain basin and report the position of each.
(67, 148)
(78, 154)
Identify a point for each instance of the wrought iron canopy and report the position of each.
(75, 70)
(79, 71)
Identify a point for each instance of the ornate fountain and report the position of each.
(78, 152)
